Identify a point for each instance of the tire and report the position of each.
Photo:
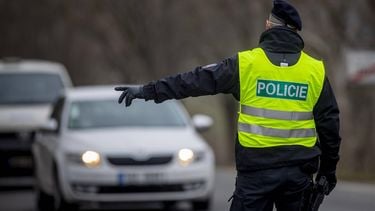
(201, 204)
(169, 205)
(59, 203)
(44, 202)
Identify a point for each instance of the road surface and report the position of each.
(346, 197)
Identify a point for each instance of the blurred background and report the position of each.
(132, 41)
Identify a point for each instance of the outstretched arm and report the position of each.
(212, 79)
(208, 80)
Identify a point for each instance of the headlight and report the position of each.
(91, 159)
(185, 156)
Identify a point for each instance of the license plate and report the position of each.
(138, 179)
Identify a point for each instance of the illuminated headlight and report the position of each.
(91, 159)
(185, 156)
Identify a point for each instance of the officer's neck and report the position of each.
(282, 45)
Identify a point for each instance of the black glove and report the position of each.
(129, 93)
(331, 179)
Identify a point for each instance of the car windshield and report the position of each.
(108, 113)
(30, 88)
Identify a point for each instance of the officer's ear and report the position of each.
(268, 24)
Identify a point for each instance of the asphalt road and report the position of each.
(346, 197)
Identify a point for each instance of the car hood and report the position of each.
(23, 118)
(132, 141)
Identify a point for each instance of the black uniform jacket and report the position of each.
(280, 44)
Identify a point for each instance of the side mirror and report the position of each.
(202, 122)
(50, 126)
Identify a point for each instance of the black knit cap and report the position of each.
(286, 13)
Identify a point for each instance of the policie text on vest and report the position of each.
(282, 89)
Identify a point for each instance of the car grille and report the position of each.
(150, 188)
(129, 161)
(8, 135)
(16, 163)
(142, 189)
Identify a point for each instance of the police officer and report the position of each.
(288, 119)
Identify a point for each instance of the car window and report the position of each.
(29, 88)
(107, 113)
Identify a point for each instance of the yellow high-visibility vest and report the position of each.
(277, 102)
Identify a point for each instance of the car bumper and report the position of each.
(166, 183)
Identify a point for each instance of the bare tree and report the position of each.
(136, 41)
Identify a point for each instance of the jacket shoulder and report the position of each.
(249, 55)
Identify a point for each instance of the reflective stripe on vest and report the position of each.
(276, 103)
(259, 130)
(273, 114)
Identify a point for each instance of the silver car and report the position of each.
(97, 152)
(28, 89)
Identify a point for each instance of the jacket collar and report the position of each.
(281, 40)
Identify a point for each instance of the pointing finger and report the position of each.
(122, 96)
(121, 88)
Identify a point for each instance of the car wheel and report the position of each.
(201, 204)
(59, 203)
(44, 201)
